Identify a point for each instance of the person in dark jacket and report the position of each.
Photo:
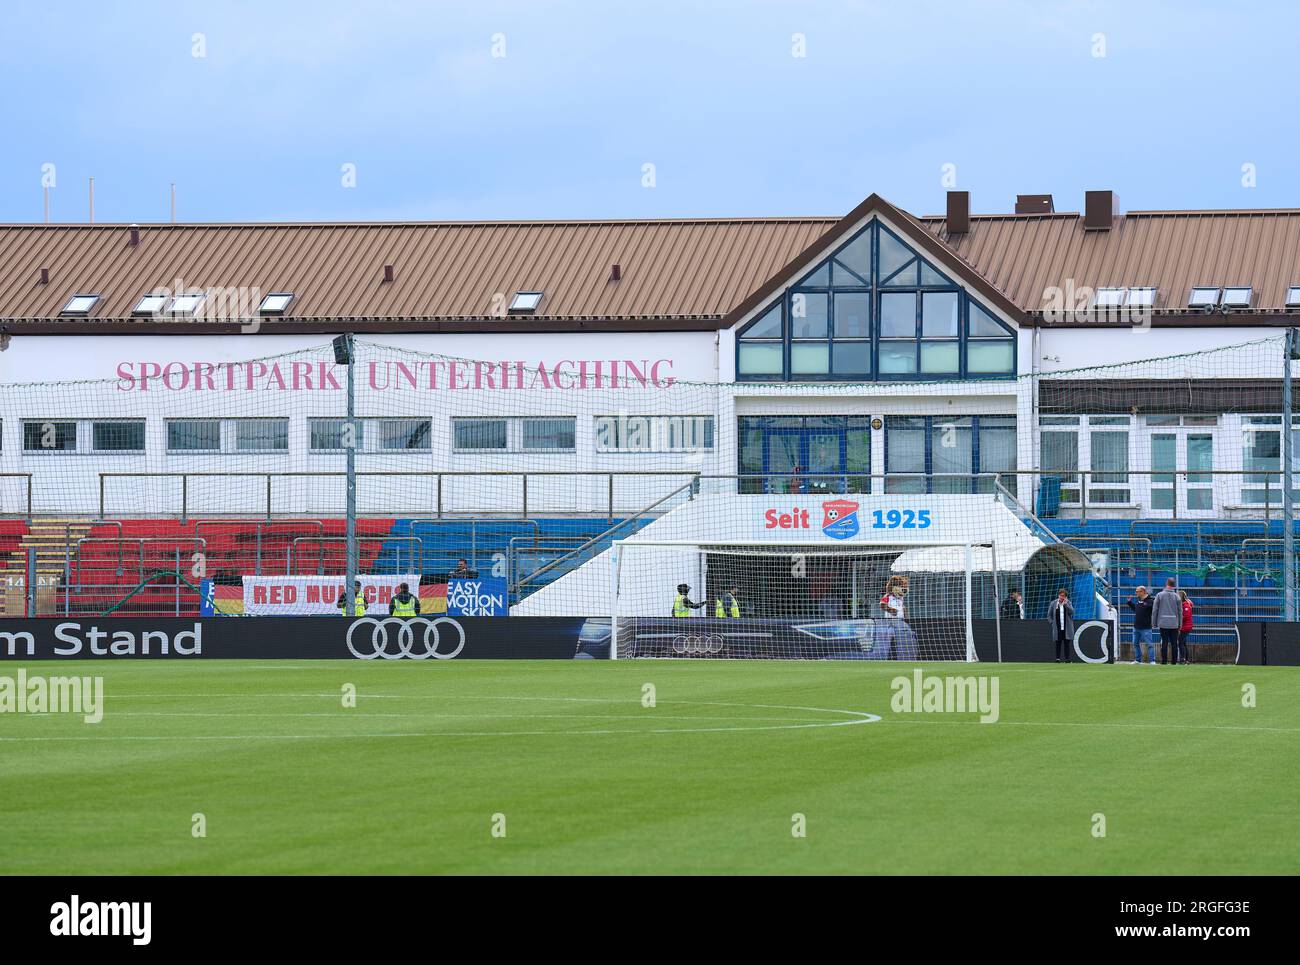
(1013, 608)
(1143, 642)
(1167, 617)
(404, 603)
(1061, 616)
(462, 571)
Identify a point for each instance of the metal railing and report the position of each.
(1231, 493)
(601, 541)
(477, 527)
(269, 543)
(416, 551)
(83, 596)
(5, 511)
(439, 478)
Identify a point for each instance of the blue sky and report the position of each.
(1011, 94)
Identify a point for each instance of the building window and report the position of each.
(261, 435)
(275, 303)
(805, 454)
(403, 435)
(330, 435)
(151, 304)
(49, 435)
(1059, 453)
(480, 435)
(990, 349)
(193, 435)
(525, 303)
(654, 433)
(117, 436)
(1069, 445)
(185, 304)
(1108, 483)
(547, 435)
(79, 305)
(762, 348)
(1261, 458)
(949, 454)
(848, 320)
(515, 434)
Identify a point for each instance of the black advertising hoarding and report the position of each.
(1030, 641)
(444, 637)
(291, 638)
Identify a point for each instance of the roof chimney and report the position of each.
(135, 235)
(1100, 209)
(1034, 204)
(958, 219)
(45, 276)
(615, 272)
(388, 273)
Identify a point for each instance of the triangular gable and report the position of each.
(941, 258)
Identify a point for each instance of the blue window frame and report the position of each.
(943, 454)
(805, 454)
(875, 310)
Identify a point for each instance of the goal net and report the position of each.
(759, 601)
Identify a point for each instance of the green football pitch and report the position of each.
(559, 767)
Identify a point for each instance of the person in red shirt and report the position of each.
(1185, 630)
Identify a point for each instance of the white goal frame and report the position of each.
(968, 548)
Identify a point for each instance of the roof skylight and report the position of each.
(79, 305)
(275, 303)
(525, 303)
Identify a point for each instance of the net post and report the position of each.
(614, 568)
(997, 596)
(970, 624)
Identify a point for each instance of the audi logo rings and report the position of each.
(378, 645)
(698, 643)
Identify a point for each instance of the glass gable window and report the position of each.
(874, 309)
(762, 348)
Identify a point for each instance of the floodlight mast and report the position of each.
(344, 354)
(1288, 509)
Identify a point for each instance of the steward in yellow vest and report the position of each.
(358, 603)
(682, 605)
(727, 606)
(404, 603)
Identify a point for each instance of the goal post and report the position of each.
(911, 601)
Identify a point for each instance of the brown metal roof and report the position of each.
(684, 274)
(1169, 250)
(687, 269)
